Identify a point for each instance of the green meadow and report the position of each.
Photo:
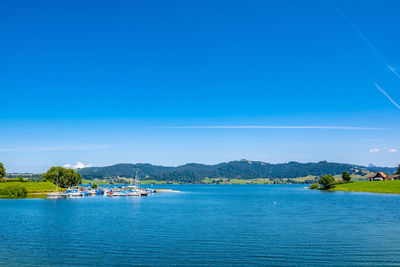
(390, 186)
(35, 189)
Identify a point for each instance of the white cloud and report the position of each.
(392, 150)
(374, 150)
(78, 165)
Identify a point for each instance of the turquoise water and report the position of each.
(210, 225)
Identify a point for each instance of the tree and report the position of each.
(346, 177)
(327, 181)
(65, 177)
(398, 170)
(2, 171)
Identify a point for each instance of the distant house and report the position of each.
(380, 176)
(394, 177)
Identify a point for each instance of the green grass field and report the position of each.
(391, 187)
(35, 189)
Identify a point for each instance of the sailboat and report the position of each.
(143, 192)
(134, 190)
(55, 195)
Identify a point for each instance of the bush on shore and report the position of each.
(314, 186)
(328, 181)
(13, 191)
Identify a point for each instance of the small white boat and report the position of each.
(55, 195)
(91, 192)
(74, 193)
(133, 193)
(143, 192)
(119, 194)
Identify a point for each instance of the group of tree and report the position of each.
(62, 177)
(2, 171)
(328, 181)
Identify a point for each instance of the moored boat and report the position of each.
(55, 195)
(134, 193)
(143, 192)
(119, 194)
(74, 193)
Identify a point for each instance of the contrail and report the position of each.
(394, 71)
(388, 96)
(367, 42)
(271, 127)
(360, 34)
(330, 35)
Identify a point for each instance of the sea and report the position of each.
(204, 225)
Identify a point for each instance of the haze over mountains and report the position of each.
(243, 169)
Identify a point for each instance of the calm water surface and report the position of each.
(207, 225)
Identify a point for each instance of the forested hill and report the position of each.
(243, 169)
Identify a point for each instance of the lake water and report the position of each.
(207, 225)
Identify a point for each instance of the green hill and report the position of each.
(243, 169)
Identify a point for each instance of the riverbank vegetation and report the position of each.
(13, 190)
(33, 189)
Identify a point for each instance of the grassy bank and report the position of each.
(391, 187)
(35, 189)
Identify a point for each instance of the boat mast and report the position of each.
(136, 181)
(57, 183)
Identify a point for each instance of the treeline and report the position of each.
(243, 169)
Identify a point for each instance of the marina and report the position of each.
(132, 190)
(108, 191)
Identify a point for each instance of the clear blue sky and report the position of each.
(103, 82)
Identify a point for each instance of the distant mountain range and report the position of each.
(242, 169)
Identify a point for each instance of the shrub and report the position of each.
(328, 181)
(314, 186)
(13, 191)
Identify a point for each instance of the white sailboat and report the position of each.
(55, 195)
(143, 192)
(134, 190)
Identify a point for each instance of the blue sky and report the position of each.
(103, 82)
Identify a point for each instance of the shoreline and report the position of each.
(381, 187)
